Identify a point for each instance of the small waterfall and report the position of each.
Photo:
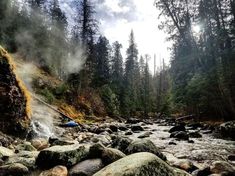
(43, 120)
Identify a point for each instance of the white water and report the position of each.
(43, 120)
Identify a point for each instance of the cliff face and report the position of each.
(14, 99)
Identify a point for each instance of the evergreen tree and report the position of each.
(130, 96)
(102, 72)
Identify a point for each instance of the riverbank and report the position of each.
(193, 148)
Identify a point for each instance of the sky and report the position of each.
(118, 17)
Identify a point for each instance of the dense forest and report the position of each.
(199, 80)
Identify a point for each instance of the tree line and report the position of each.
(39, 30)
(203, 62)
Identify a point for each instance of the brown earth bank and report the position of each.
(14, 99)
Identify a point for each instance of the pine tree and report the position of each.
(102, 72)
(130, 93)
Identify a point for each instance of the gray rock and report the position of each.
(219, 167)
(56, 141)
(177, 128)
(96, 150)
(122, 127)
(136, 128)
(86, 168)
(25, 147)
(67, 155)
(145, 135)
(195, 135)
(15, 169)
(202, 172)
(181, 135)
(128, 133)
(121, 143)
(231, 157)
(26, 158)
(228, 129)
(139, 164)
(108, 155)
(133, 121)
(114, 128)
(144, 145)
(5, 152)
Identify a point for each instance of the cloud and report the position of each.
(109, 11)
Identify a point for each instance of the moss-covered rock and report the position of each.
(14, 99)
(139, 164)
(144, 145)
(67, 155)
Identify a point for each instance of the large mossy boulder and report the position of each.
(14, 99)
(139, 164)
(67, 155)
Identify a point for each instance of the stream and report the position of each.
(202, 152)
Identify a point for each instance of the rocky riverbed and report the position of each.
(134, 147)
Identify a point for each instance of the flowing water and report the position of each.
(202, 152)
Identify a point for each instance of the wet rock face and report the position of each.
(14, 117)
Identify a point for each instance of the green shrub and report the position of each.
(48, 95)
(110, 100)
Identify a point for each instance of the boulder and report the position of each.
(14, 169)
(202, 172)
(122, 127)
(40, 143)
(14, 99)
(121, 143)
(219, 167)
(26, 146)
(56, 171)
(228, 129)
(26, 158)
(108, 155)
(5, 140)
(67, 155)
(186, 165)
(114, 128)
(136, 128)
(181, 135)
(61, 141)
(133, 121)
(128, 133)
(231, 157)
(195, 135)
(86, 168)
(145, 135)
(5, 152)
(144, 145)
(139, 164)
(177, 128)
